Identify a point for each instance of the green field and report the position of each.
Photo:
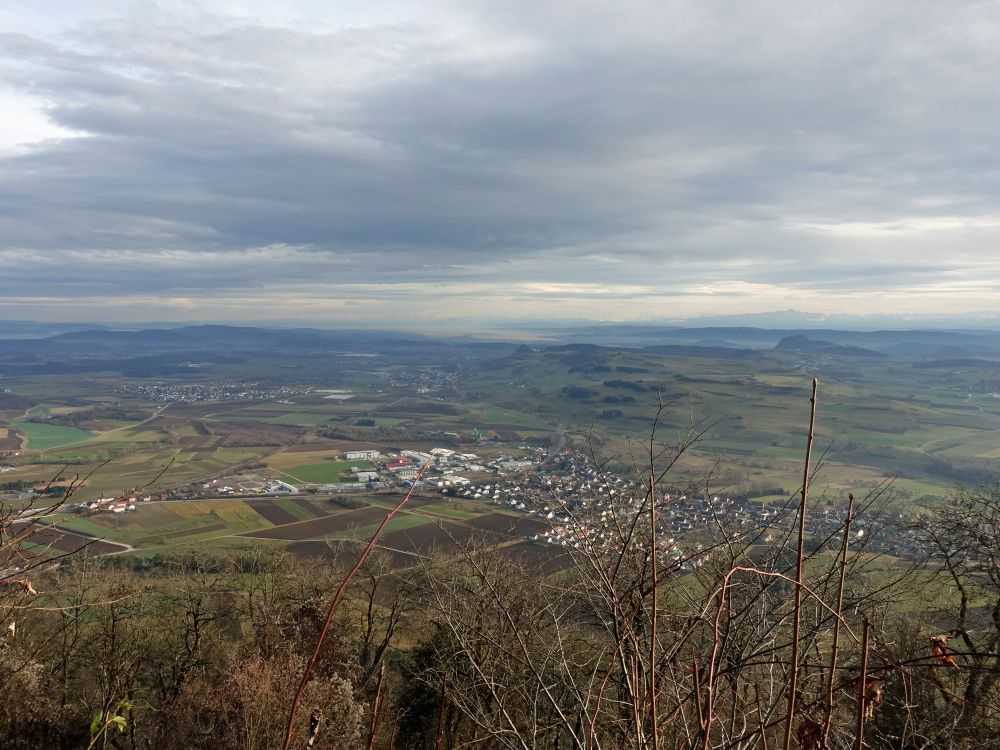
(401, 522)
(42, 437)
(328, 472)
(293, 507)
(87, 526)
(876, 419)
(494, 415)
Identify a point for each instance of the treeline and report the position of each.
(91, 418)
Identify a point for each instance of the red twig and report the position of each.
(376, 707)
(392, 732)
(333, 606)
(440, 727)
(600, 691)
(717, 638)
(828, 716)
(859, 740)
(654, 730)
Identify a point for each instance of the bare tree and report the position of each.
(653, 639)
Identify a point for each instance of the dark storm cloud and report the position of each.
(677, 146)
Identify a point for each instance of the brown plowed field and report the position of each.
(415, 501)
(310, 507)
(431, 536)
(58, 541)
(508, 525)
(547, 558)
(405, 548)
(322, 526)
(276, 515)
(9, 439)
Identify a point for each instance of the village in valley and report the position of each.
(573, 502)
(528, 446)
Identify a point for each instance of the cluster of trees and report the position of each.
(90, 417)
(11, 402)
(636, 641)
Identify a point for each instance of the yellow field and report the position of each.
(228, 510)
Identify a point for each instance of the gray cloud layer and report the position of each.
(539, 156)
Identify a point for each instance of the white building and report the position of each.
(362, 455)
(452, 481)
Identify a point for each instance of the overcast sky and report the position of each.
(348, 161)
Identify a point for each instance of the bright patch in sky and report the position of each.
(25, 123)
